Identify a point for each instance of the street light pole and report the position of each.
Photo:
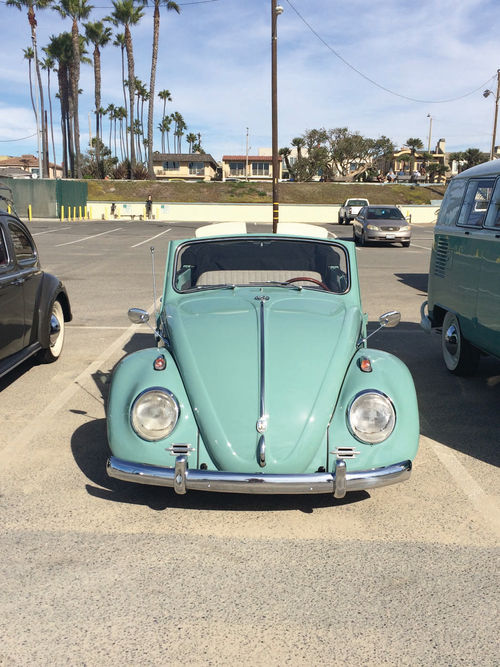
(430, 132)
(492, 152)
(275, 11)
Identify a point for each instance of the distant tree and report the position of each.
(76, 10)
(31, 6)
(120, 41)
(473, 156)
(48, 65)
(170, 6)
(191, 139)
(414, 144)
(29, 55)
(436, 171)
(98, 35)
(91, 168)
(125, 13)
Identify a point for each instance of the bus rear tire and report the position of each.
(460, 357)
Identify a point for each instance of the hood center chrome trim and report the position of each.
(262, 422)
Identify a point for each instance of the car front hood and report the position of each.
(308, 340)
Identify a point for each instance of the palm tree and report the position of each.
(180, 126)
(191, 139)
(31, 5)
(414, 145)
(29, 54)
(170, 6)
(120, 41)
(48, 65)
(110, 111)
(166, 97)
(164, 127)
(61, 50)
(125, 14)
(99, 36)
(77, 10)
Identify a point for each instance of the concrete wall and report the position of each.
(260, 213)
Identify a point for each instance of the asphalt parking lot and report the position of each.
(101, 572)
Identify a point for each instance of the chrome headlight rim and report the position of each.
(133, 423)
(356, 435)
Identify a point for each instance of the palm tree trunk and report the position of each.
(75, 78)
(152, 81)
(32, 21)
(51, 120)
(97, 96)
(131, 92)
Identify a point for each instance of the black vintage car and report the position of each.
(34, 305)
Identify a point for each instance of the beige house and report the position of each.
(184, 166)
(401, 167)
(251, 167)
(27, 164)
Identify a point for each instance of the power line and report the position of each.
(6, 141)
(375, 83)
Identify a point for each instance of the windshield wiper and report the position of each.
(217, 286)
(278, 283)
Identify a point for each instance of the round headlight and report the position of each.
(374, 228)
(371, 417)
(154, 414)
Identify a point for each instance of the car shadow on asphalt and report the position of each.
(459, 412)
(90, 451)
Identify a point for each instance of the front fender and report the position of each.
(390, 376)
(133, 375)
(51, 289)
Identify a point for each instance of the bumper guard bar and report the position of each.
(181, 478)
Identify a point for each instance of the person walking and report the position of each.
(149, 207)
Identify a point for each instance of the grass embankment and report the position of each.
(251, 193)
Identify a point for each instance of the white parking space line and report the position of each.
(415, 245)
(151, 238)
(86, 238)
(49, 231)
(485, 504)
(43, 420)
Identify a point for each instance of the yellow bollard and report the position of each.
(62, 212)
(79, 213)
(74, 213)
(157, 213)
(144, 213)
(29, 212)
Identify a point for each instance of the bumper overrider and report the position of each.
(181, 478)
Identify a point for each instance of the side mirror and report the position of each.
(138, 316)
(390, 319)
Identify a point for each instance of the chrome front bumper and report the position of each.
(181, 478)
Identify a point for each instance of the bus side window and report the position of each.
(493, 216)
(476, 201)
(451, 203)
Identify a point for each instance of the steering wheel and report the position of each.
(311, 280)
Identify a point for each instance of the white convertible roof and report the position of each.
(292, 228)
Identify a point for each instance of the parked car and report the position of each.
(381, 224)
(262, 381)
(34, 305)
(350, 209)
(464, 274)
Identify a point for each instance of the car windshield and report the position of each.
(244, 262)
(356, 202)
(389, 213)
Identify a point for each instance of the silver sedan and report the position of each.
(381, 224)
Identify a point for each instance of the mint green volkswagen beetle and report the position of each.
(261, 380)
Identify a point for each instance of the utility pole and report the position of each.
(430, 132)
(275, 11)
(246, 160)
(492, 152)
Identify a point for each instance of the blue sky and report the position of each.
(215, 59)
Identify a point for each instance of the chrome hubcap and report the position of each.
(55, 330)
(451, 340)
